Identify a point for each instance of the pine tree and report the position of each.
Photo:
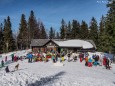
(22, 39)
(75, 29)
(36, 31)
(84, 33)
(43, 34)
(110, 25)
(102, 25)
(63, 29)
(94, 31)
(57, 35)
(69, 29)
(54, 34)
(33, 26)
(9, 42)
(1, 38)
(102, 46)
(51, 34)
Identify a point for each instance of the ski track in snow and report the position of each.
(47, 74)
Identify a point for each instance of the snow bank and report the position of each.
(55, 74)
(58, 64)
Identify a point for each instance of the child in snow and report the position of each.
(7, 69)
(89, 62)
(86, 61)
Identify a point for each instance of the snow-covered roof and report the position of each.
(85, 44)
(74, 43)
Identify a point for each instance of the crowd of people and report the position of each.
(90, 60)
(54, 56)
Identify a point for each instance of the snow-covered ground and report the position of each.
(50, 74)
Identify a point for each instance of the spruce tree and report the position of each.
(57, 35)
(102, 46)
(33, 27)
(36, 31)
(110, 25)
(51, 36)
(84, 33)
(22, 38)
(93, 35)
(1, 38)
(63, 29)
(43, 34)
(54, 34)
(9, 42)
(75, 29)
(69, 29)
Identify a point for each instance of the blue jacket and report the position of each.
(89, 60)
(29, 55)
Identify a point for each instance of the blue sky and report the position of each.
(51, 12)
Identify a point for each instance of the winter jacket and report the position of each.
(29, 56)
(89, 60)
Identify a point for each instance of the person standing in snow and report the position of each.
(6, 59)
(68, 57)
(7, 69)
(107, 64)
(2, 63)
(89, 62)
(104, 60)
(15, 59)
(53, 58)
(29, 56)
(86, 61)
(81, 57)
(101, 59)
(12, 55)
(57, 56)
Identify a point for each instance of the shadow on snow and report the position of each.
(47, 80)
(113, 82)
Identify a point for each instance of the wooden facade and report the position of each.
(44, 45)
(49, 46)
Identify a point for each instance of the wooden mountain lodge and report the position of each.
(59, 44)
